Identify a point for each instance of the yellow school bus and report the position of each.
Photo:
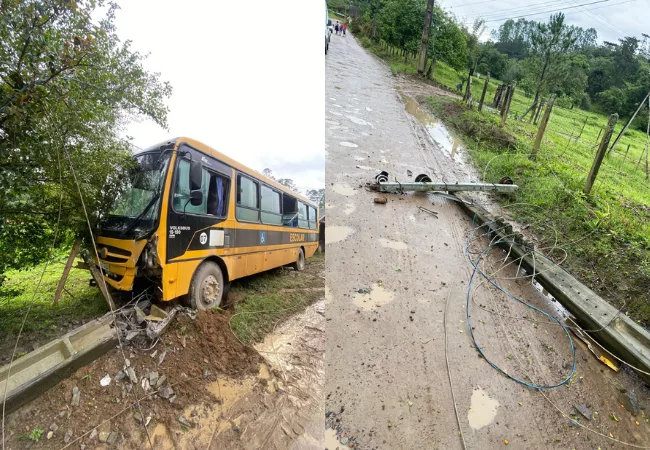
(192, 220)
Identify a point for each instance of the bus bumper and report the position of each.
(118, 259)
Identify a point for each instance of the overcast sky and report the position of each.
(613, 19)
(246, 81)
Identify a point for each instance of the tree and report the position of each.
(448, 43)
(288, 183)
(549, 42)
(317, 196)
(400, 23)
(67, 88)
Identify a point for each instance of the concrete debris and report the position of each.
(54, 427)
(630, 402)
(112, 438)
(50, 434)
(145, 384)
(127, 362)
(162, 357)
(93, 434)
(76, 396)
(584, 411)
(119, 376)
(138, 417)
(153, 378)
(132, 334)
(105, 381)
(131, 373)
(68, 436)
(140, 316)
(161, 380)
(184, 421)
(166, 392)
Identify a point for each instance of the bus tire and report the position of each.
(207, 288)
(299, 265)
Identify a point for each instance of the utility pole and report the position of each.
(600, 153)
(424, 45)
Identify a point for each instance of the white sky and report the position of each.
(248, 78)
(613, 19)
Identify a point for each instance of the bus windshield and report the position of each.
(137, 207)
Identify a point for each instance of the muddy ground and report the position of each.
(402, 370)
(216, 391)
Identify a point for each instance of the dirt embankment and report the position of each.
(198, 387)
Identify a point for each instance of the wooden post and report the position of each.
(647, 137)
(600, 153)
(424, 44)
(467, 98)
(497, 96)
(583, 129)
(99, 279)
(538, 112)
(485, 86)
(542, 127)
(627, 124)
(627, 150)
(507, 102)
(504, 98)
(66, 271)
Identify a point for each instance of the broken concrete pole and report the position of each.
(76, 396)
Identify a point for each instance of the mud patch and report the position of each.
(376, 298)
(482, 410)
(395, 245)
(337, 234)
(343, 189)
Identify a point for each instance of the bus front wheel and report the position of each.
(207, 287)
(299, 265)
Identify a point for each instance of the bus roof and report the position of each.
(200, 146)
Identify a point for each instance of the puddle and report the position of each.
(395, 245)
(349, 209)
(436, 129)
(332, 442)
(376, 298)
(482, 410)
(348, 144)
(343, 190)
(337, 234)
(229, 391)
(359, 121)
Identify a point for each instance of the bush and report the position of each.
(585, 102)
(365, 41)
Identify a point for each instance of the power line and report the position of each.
(560, 9)
(531, 7)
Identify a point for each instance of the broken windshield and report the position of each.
(138, 206)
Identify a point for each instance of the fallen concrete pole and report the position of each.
(41, 369)
(618, 334)
(447, 187)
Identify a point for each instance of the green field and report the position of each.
(606, 235)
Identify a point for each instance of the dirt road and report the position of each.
(390, 272)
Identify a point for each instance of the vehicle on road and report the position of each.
(328, 29)
(192, 220)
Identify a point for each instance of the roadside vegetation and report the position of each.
(606, 235)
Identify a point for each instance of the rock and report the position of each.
(119, 376)
(50, 434)
(206, 373)
(158, 312)
(93, 434)
(138, 417)
(103, 436)
(145, 384)
(184, 421)
(54, 427)
(172, 398)
(76, 396)
(68, 436)
(584, 411)
(153, 378)
(162, 357)
(105, 381)
(139, 315)
(127, 362)
(131, 334)
(344, 441)
(112, 438)
(166, 392)
(630, 402)
(131, 373)
(161, 380)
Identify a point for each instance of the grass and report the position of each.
(18, 292)
(606, 234)
(264, 300)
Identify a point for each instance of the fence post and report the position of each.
(507, 102)
(497, 96)
(467, 98)
(542, 127)
(600, 153)
(66, 270)
(504, 98)
(627, 150)
(485, 86)
(540, 108)
(583, 129)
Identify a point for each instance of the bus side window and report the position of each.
(218, 195)
(271, 207)
(302, 215)
(248, 201)
(182, 190)
(290, 210)
(312, 218)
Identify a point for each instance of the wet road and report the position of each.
(390, 271)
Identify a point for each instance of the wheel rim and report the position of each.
(210, 290)
(301, 261)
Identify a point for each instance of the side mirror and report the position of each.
(196, 175)
(196, 197)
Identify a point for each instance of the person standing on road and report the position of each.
(345, 28)
(336, 27)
